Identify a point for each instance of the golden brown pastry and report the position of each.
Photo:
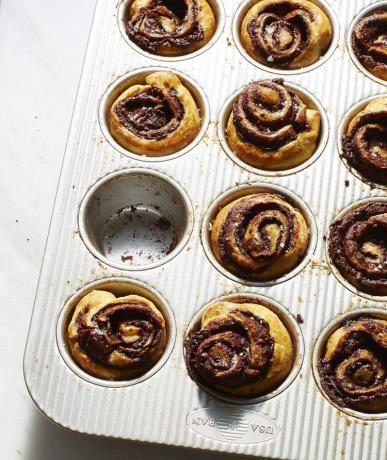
(116, 338)
(357, 247)
(155, 119)
(369, 42)
(288, 34)
(170, 27)
(271, 128)
(353, 370)
(365, 142)
(259, 237)
(242, 349)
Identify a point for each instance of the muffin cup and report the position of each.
(319, 351)
(248, 189)
(334, 270)
(119, 287)
(325, 6)
(312, 103)
(291, 325)
(365, 11)
(220, 15)
(138, 77)
(342, 130)
(143, 203)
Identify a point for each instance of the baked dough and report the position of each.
(259, 237)
(116, 338)
(242, 349)
(271, 128)
(288, 34)
(157, 118)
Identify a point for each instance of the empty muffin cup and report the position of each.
(357, 365)
(135, 219)
(308, 99)
(123, 15)
(118, 287)
(245, 190)
(284, 319)
(199, 114)
(240, 14)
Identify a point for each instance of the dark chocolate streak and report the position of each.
(148, 28)
(358, 247)
(357, 370)
(369, 40)
(150, 114)
(253, 252)
(221, 354)
(365, 147)
(101, 340)
(281, 32)
(268, 115)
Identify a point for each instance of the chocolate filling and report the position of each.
(281, 32)
(268, 115)
(356, 373)
(357, 246)
(165, 22)
(230, 352)
(369, 40)
(365, 146)
(131, 329)
(151, 114)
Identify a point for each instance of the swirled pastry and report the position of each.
(365, 142)
(155, 119)
(242, 349)
(357, 247)
(170, 27)
(353, 370)
(369, 42)
(271, 128)
(288, 34)
(259, 237)
(116, 338)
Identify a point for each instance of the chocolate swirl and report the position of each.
(230, 352)
(281, 32)
(165, 22)
(259, 236)
(128, 328)
(357, 247)
(151, 114)
(365, 144)
(369, 42)
(353, 371)
(269, 115)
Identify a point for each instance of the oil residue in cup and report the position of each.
(138, 235)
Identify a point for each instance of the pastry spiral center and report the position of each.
(151, 113)
(170, 22)
(280, 32)
(232, 351)
(268, 115)
(131, 329)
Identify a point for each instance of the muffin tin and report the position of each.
(296, 423)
